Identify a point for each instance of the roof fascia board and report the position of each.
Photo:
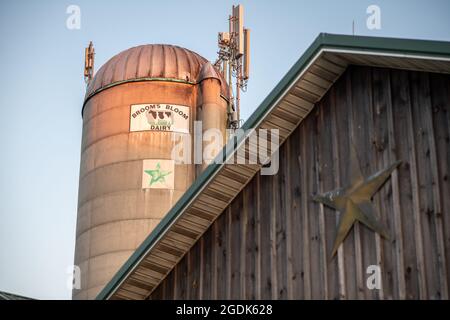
(420, 47)
(387, 54)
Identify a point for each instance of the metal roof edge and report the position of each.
(323, 40)
(4, 295)
(386, 44)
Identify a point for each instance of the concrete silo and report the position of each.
(134, 106)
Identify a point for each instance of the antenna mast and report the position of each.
(89, 54)
(234, 61)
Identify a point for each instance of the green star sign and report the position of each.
(157, 175)
(354, 201)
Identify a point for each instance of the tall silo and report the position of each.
(134, 106)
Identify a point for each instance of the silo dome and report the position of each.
(153, 62)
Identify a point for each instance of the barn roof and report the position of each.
(284, 109)
(11, 296)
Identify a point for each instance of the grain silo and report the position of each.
(134, 107)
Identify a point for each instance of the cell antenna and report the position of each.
(234, 61)
(89, 54)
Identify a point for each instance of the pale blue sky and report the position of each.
(42, 92)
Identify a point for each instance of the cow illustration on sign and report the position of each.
(159, 118)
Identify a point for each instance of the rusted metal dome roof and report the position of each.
(152, 62)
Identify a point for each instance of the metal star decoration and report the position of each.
(354, 201)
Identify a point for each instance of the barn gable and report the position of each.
(274, 242)
(379, 94)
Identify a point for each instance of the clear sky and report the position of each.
(42, 91)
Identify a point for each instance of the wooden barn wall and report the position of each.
(273, 242)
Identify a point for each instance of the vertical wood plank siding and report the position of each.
(274, 242)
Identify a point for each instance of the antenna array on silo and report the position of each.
(89, 62)
(234, 61)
